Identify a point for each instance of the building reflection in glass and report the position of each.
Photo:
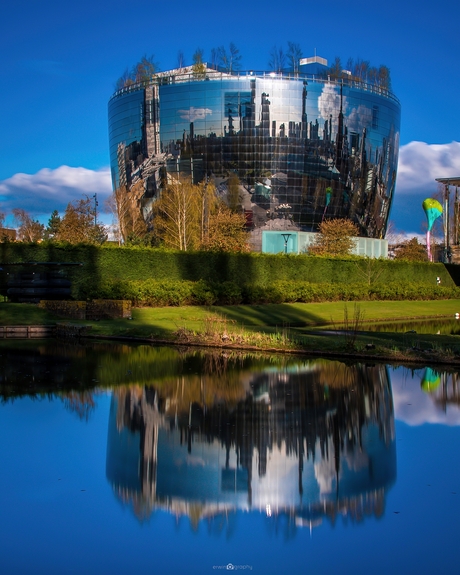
(289, 149)
(312, 442)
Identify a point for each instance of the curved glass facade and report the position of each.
(296, 149)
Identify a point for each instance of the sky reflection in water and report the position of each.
(219, 462)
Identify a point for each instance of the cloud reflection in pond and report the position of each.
(306, 443)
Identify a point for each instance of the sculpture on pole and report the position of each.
(433, 210)
(328, 200)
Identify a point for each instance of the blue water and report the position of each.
(62, 510)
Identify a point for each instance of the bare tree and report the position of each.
(277, 61)
(124, 80)
(29, 230)
(235, 58)
(335, 70)
(361, 70)
(383, 77)
(214, 58)
(294, 55)
(176, 216)
(180, 60)
(229, 60)
(128, 210)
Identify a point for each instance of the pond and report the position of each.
(118, 459)
(442, 326)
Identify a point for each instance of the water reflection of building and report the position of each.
(443, 388)
(313, 443)
(317, 145)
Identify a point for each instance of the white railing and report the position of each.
(213, 75)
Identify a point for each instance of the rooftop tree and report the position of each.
(229, 60)
(294, 55)
(277, 61)
(199, 67)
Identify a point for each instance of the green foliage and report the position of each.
(205, 293)
(53, 226)
(335, 238)
(141, 72)
(411, 251)
(79, 226)
(234, 195)
(236, 275)
(227, 232)
(198, 66)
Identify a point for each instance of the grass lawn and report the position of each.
(166, 320)
(283, 327)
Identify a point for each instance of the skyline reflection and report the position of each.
(310, 442)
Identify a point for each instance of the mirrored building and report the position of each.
(289, 149)
(308, 442)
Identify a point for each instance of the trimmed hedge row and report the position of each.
(176, 293)
(114, 263)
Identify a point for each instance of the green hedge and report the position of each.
(239, 275)
(176, 293)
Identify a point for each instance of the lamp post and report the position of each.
(96, 203)
(452, 181)
(286, 239)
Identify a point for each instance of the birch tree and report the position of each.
(29, 230)
(177, 216)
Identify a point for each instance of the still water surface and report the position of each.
(442, 326)
(119, 459)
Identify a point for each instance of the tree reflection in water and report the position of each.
(301, 442)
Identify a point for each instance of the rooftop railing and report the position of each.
(168, 78)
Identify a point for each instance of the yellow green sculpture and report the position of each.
(431, 380)
(433, 210)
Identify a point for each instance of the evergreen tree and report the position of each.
(53, 226)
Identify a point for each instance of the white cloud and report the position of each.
(328, 104)
(359, 118)
(193, 113)
(49, 190)
(417, 407)
(420, 164)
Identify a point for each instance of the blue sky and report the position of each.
(60, 61)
